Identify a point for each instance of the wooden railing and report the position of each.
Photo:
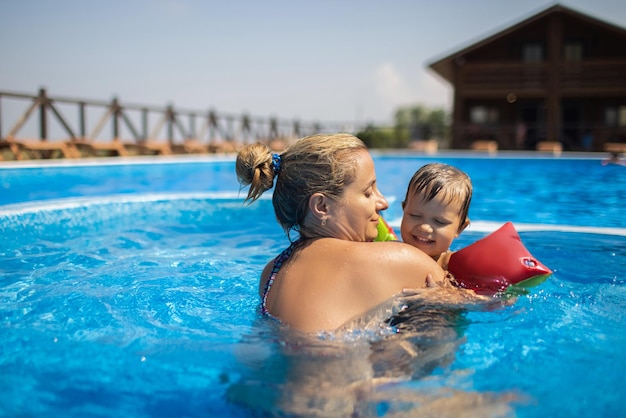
(504, 77)
(140, 123)
(574, 77)
(591, 76)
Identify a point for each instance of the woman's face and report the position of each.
(355, 216)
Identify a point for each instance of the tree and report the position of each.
(377, 137)
(421, 123)
(411, 123)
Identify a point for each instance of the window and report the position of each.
(483, 115)
(573, 51)
(478, 115)
(532, 52)
(615, 116)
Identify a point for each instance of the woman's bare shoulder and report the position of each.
(385, 255)
(392, 251)
(384, 259)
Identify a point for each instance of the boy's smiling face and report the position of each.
(431, 225)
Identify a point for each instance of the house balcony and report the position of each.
(497, 79)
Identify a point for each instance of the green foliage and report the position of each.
(439, 123)
(379, 137)
(421, 123)
(410, 124)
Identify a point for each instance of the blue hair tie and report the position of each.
(276, 160)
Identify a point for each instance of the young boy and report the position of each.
(435, 209)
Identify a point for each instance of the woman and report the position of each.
(326, 192)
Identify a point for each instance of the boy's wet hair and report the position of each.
(436, 179)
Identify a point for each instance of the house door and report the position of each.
(571, 126)
(531, 124)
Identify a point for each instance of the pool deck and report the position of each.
(175, 159)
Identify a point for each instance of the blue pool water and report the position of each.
(130, 290)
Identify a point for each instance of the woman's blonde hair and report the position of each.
(314, 164)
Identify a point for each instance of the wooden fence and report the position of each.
(42, 124)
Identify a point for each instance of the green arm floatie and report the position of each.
(385, 232)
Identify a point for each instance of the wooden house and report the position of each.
(555, 80)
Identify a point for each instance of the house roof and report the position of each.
(445, 66)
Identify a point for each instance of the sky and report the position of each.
(331, 61)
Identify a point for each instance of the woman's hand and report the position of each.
(445, 292)
(447, 281)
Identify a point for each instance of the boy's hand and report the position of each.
(444, 258)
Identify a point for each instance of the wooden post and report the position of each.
(212, 123)
(273, 128)
(144, 124)
(296, 128)
(43, 126)
(82, 123)
(192, 126)
(170, 124)
(245, 128)
(553, 102)
(115, 112)
(458, 129)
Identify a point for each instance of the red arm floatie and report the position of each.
(494, 263)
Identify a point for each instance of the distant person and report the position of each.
(520, 135)
(435, 209)
(587, 141)
(614, 158)
(326, 192)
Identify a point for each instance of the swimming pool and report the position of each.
(129, 289)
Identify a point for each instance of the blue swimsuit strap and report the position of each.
(278, 263)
